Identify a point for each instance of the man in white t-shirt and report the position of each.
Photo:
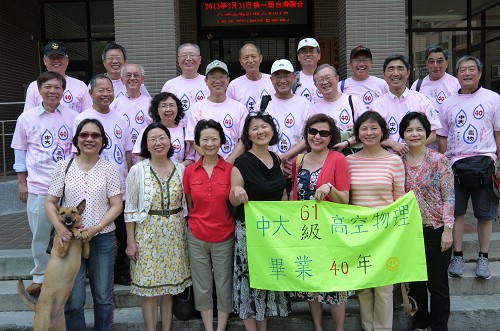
(43, 136)
(288, 110)
(366, 87)
(400, 100)
(438, 84)
(75, 95)
(114, 57)
(134, 107)
(470, 138)
(249, 88)
(308, 54)
(190, 86)
(229, 113)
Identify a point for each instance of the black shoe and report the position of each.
(123, 280)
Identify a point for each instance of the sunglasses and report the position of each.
(258, 113)
(93, 135)
(322, 133)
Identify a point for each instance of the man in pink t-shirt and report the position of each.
(134, 107)
(42, 137)
(361, 84)
(190, 86)
(117, 151)
(437, 85)
(75, 95)
(470, 138)
(396, 103)
(229, 113)
(249, 88)
(114, 57)
(308, 54)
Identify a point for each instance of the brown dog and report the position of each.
(60, 273)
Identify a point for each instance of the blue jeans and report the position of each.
(100, 271)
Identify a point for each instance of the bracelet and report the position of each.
(348, 143)
(102, 228)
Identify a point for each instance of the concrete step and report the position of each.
(18, 262)
(468, 285)
(480, 313)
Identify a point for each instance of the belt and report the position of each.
(165, 212)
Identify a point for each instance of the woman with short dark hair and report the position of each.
(211, 225)
(156, 229)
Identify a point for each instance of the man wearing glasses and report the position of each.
(190, 86)
(361, 84)
(134, 107)
(308, 53)
(75, 95)
(114, 57)
(217, 106)
(438, 84)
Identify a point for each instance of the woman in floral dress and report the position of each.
(156, 228)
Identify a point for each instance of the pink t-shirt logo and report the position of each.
(176, 145)
(226, 148)
(460, 119)
(118, 155)
(67, 96)
(478, 112)
(440, 97)
(306, 93)
(228, 121)
(344, 117)
(118, 132)
(139, 117)
(110, 142)
(134, 134)
(251, 104)
(46, 140)
(185, 102)
(470, 134)
(289, 121)
(368, 97)
(127, 120)
(200, 96)
(58, 154)
(63, 133)
(284, 143)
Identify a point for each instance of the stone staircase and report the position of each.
(475, 304)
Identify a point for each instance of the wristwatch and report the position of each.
(329, 185)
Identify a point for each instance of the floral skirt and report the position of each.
(249, 302)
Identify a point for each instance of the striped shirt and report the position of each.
(376, 182)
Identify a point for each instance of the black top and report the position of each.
(261, 183)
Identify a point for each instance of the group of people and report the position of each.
(166, 178)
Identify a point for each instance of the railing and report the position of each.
(6, 133)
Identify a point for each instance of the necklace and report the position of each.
(414, 165)
(266, 159)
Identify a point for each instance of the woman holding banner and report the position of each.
(430, 177)
(377, 180)
(256, 176)
(322, 174)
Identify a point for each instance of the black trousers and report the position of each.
(437, 285)
(122, 262)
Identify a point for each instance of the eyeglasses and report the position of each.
(362, 60)
(185, 56)
(433, 62)
(167, 105)
(322, 79)
(322, 133)
(112, 58)
(93, 135)
(160, 139)
(258, 113)
(128, 76)
(280, 77)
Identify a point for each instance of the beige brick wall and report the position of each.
(379, 25)
(150, 31)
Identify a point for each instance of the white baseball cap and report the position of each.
(282, 64)
(311, 42)
(216, 64)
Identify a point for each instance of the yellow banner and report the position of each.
(323, 246)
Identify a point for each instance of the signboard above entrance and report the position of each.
(245, 13)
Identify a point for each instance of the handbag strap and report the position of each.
(64, 185)
(406, 301)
